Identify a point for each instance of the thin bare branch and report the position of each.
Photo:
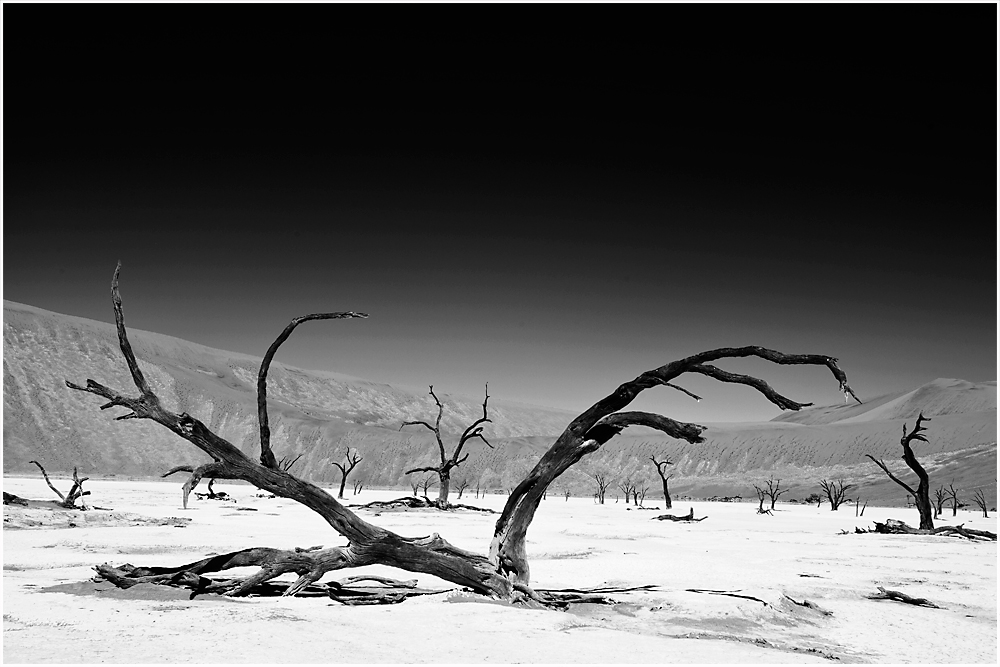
(782, 402)
(682, 390)
(62, 498)
(267, 458)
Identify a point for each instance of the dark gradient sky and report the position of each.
(551, 215)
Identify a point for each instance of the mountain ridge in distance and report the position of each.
(318, 414)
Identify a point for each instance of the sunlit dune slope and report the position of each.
(320, 414)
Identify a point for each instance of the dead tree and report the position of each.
(502, 574)
(940, 495)
(358, 485)
(426, 484)
(443, 470)
(75, 492)
(761, 495)
(980, 499)
(660, 468)
(952, 495)
(639, 494)
(603, 482)
(351, 463)
(626, 487)
(461, 485)
(774, 490)
(835, 492)
(689, 517)
(921, 496)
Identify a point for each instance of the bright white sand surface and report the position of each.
(798, 553)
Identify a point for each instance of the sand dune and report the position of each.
(320, 414)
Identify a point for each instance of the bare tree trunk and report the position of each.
(921, 496)
(504, 573)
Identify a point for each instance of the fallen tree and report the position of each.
(894, 526)
(504, 572)
(689, 517)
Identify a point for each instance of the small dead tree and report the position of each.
(952, 495)
(75, 492)
(639, 494)
(426, 483)
(836, 492)
(940, 495)
(358, 485)
(660, 470)
(415, 485)
(626, 487)
(443, 470)
(461, 486)
(921, 495)
(859, 510)
(774, 490)
(566, 493)
(761, 495)
(502, 574)
(350, 463)
(603, 482)
(980, 499)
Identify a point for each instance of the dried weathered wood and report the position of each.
(732, 594)
(809, 605)
(921, 495)
(835, 491)
(504, 573)
(899, 527)
(211, 471)
(11, 499)
(75, 492)
(448, 463)
(886, 594)
(980, 499)
(689, 517)
(415, 502)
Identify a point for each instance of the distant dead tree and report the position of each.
(426, 483)
(813, 498)
(639, 494)
(660, 469)
(940, 495)
(774, 490)
(461, 485)
(980, 499)
(350, 463)
(75, 492)
(567, 494)
(761, 495)
(415, 485)
(358, 485)
(502, 574)
(603, 482)
(443, 470)
(626, 487)
(952, 495)
(836, 492)
(921, 495)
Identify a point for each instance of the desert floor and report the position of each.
(799, 553)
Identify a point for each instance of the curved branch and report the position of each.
(474, 429)
(62, 498)
(613, 424)
(507, 549)
(417, 424)
(424, 469)
(725, 376)
(267, 458)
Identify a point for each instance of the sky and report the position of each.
(548, 212)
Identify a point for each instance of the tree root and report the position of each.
(892, 526)
(414, 502)
(689, 517)
(902, 597)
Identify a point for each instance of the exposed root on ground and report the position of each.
(732, 594)
(902, 597)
